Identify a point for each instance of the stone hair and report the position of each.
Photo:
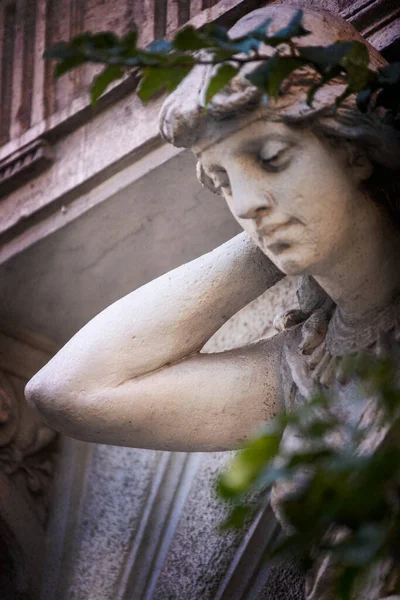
(185, 122)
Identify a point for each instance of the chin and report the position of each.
(294, 260)
(290, 264)
(291, 267)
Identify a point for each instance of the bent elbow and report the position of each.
(50, 399)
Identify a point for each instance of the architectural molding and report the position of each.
(24, 164)
(377, 20)
(25, 157)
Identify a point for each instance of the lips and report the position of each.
(270, 235)
(272, 228)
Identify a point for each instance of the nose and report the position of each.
(253, 212)
(250, 200)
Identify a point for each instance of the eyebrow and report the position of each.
(251, 145)
(255, 143)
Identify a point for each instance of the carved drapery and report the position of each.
(27, 448)
(28, 452)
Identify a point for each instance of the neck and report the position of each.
(366, 278)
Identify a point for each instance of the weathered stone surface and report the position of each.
(199, 555)
(107, 526)
(115, 499)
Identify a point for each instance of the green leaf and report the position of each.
(270, 74)
(67, 64)
(161, 59)
(221, 78)
(189, 38)
(215, 33)
(248, 465)
(355, 62)
(100, 41)
(212, 37)
(237, 517)
(102, 81)
(81, 39)
(155, 80)
(128, 43)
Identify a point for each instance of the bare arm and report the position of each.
(133, 375)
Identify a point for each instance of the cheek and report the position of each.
(246, 224)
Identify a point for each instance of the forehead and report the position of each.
(247, 139)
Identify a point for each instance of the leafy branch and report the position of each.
(163, 64)
(342, 489)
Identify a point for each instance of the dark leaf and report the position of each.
(155, 80)
(160, 46)
(346, 581)
(252, 40)
(363, 99)
(237, 517)
(244, 45)
(362, 548)
(270, 74)
(80, 40)
(320, 427)
(388, 99)
(67, 64)
(59, 51)
(160, 59)
(190, 38)
(326, 57)
(99, 41)
(390, 74)
(102, 81)
(215, 32)
(295, 28)
(129, 42)
(261, 32)
(222, 77)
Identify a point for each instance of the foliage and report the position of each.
(163, 64)
(342, 489)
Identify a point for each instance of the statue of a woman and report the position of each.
(316, 193)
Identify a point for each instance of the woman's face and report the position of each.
(291, 191)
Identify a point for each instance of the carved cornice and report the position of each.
(377, 20)
(23, 164)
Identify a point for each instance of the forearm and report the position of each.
(165, 320)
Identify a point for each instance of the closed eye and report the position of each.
(274, 156)
(274, 163)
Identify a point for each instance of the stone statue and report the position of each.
(316, 195)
